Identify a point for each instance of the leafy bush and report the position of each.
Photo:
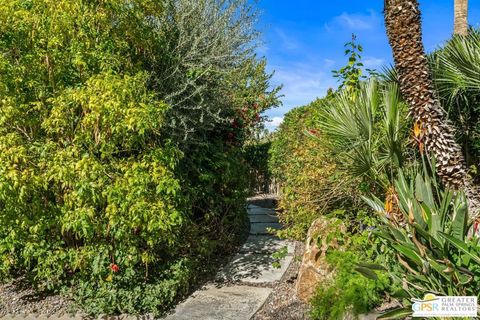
(119, 177)
(257, 156)
(305, 170)
(349, 291)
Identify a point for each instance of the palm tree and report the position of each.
(432, 130)
(460, 17)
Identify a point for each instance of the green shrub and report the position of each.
(257, 156)
(309, 181)
(121, 174)
(349, 291)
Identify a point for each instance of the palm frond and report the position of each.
(367, 130)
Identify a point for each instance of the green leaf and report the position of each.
(409, 253)
(439, 268)
(372, 266)
(400, 294)
(375, 203)
(460, 246)
(435, 245)
(396, 314)
(367, 273)
(460, 217)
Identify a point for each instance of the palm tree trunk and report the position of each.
(432, 129)
(460, 17)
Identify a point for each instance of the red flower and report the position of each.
(114, 267)
(313, 131)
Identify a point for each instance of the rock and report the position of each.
(314, 268)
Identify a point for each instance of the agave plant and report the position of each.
(430, 242)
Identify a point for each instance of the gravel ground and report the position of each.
(17, 298)
(283, 304)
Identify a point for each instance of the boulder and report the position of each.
(314, 268)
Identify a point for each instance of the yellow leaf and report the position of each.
(417, 129)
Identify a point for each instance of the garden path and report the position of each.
(244, 284)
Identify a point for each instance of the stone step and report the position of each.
(223, 303)
(254, 268)
(260, 228)
(265, 244)
(262, 218)
(253, 210)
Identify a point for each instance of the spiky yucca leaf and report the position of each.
(431, 246)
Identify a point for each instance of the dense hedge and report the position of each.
(304, 167)
(121, 133)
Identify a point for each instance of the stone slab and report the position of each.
(261, 227)
(254, 210)
(225, 303)
(254, 268)
(267, 201)
(262, 218)
(265, 244)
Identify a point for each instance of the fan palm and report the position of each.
(366, 130)
(433, 131)
(456, 73)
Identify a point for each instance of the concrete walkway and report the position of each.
(245, 283)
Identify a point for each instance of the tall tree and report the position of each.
(460, 17)
(433, 131)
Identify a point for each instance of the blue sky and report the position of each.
(303, 41)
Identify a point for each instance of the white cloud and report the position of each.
(302, 83)
(373, 62)
(329, 63)
(273, 123)
(276, 121)
(356, 21)
(262, 49)
(287, 42)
